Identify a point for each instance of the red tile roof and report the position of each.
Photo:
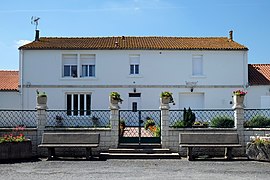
(9, 80)
(130, 43)
(259, 74)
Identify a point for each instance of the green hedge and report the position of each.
(258, 121)
(222, 122)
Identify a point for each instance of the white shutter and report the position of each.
(197, 65)
(134, 59)
(69, 59)
(87, 59)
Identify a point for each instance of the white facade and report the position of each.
(10, 100)
(220, 72)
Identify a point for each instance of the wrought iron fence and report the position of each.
(14, 118)
(135, 121)
(64, 118)
(257, 118)
(203, 116)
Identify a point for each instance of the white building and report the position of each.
(80, 73)
(9, 93)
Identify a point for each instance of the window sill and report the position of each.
(198, 76)
(135, 76)
(78, 78)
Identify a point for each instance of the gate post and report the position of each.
(239, 119)
(164, 107)
(41, 121)
(114, 118)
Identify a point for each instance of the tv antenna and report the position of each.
(34, 21)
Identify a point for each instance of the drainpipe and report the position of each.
(245, 69)
(21, 77)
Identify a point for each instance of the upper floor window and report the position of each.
(88, 67)
(134, 61)
(69, 65)
(197, 65)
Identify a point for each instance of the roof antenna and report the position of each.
(34, 21)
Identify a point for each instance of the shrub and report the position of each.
(222, 122)
(149, 122)
(189, 117)
(179, 124)
(258, 121)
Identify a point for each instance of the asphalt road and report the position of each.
(135, 169)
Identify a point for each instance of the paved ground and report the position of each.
(135, 169)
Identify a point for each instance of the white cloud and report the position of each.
(22, 42)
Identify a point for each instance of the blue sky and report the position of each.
(249, 19)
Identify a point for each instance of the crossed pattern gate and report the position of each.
(135, 131)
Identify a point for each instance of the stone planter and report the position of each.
(114, 103)
(165, 100)
(238, 101)
(41, 102)
(260, 152)
(16, 150)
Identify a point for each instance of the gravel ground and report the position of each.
(135, 169)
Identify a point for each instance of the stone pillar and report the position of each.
(114, 118)
(239, 119)
(165, 121)
(41, 121)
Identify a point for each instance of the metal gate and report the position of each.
(142, 126)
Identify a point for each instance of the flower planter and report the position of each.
(41, 102)
(16, 150)
(238, 101)
(260, 152)
(165, 100)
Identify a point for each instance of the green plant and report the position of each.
(167, 94)
(258, 121)
(157, 131)
(189, 117)
(179, 124)
(148, 122)
(116, 96)
(41, 94)
(222, 122)
(122, 126)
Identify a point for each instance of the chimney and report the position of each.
(37, 35)
(231, 35)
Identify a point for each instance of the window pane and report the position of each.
(82, 104)
(88, 104)
(68, 104)
(131, 69)
(92, 70)
(66, 70)
(134, 106)
(75, 104)
(136, 69)
(74, 71)
(84, 70)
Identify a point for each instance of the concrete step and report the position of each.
(139, 150)
(139, 146)
(139, 156)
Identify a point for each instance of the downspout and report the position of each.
(245, 70)
(21, 77)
